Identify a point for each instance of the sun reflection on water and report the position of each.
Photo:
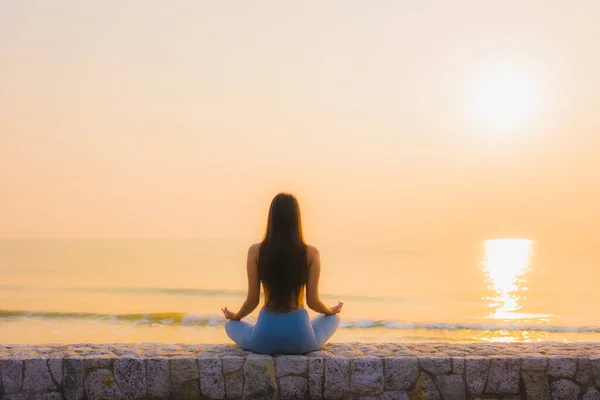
(505, 262)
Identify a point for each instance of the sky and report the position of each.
(392, 121)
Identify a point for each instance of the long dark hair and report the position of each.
(282, 260)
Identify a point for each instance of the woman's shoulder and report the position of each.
(254, 248)
(312, 251)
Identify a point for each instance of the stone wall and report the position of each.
(340, 371)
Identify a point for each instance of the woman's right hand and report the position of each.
(337, 308)
(228, 314)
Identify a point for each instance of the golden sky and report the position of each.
(390, 120)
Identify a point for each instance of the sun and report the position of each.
(502, 97)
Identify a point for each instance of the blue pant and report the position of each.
(284, 333)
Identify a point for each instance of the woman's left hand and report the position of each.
(228, 314)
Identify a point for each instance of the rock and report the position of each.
(259, 377)
(395, 395)
(367, 375)
(292, 387)
(232, 363)
(55, 365)
(504, 376)
(130, 374)
(425, 389)
(183, 369)
(435, 365)
(401, 373)
(15, 397)
(315, 377)
(12, 375)
(184, 378)
(212, 384)
(534, 363)
(536, 385)
(458, 365)
(336, 377)
(562, 367)
(564, 389)
(101, 384)
(584, 370)
(37, 376)
(157, 377)
(291, 365)
(595, 364)
(451, 387)
(476, 369)
(234, 384)
(591, 394)
(359, 397)
(73, 378)
(98, 362)
(47, 396)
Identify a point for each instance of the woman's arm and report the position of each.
(253, 297)
(312, 286)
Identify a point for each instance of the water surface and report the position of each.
(58, 291)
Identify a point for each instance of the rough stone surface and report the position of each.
(130, 374)
(435, 365)
(12, 375)
(394, 395)
(458, 365)
(234, 384)
(451, 387)
(315, 377)
(291, 365)
(55, 365)
(73, 379)
(562, 367)
(259, 378)
(534, 363)
(98, 362)
(184, 378)
(595, 364)
(184, 369)
(357, 371)
(47, 396)
(212, 383)
(536, 385)
(564, 389)
(584, 370)
(37, 376)
(476, 370)
(426, 389)
(101, 384)
(367, 375)
(337, 380)
(232, 363)
(157, 376)
(401, 373)
(292, 387)
(504, 376)
(591, 394)
(15, 397)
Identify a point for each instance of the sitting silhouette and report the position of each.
(286, 266)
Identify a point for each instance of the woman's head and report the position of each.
(284, 221)
(282, 261)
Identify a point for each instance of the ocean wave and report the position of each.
(187, 319)
(184, 292)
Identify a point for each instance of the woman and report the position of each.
(285, 266)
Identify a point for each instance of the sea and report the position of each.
(171, 291)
